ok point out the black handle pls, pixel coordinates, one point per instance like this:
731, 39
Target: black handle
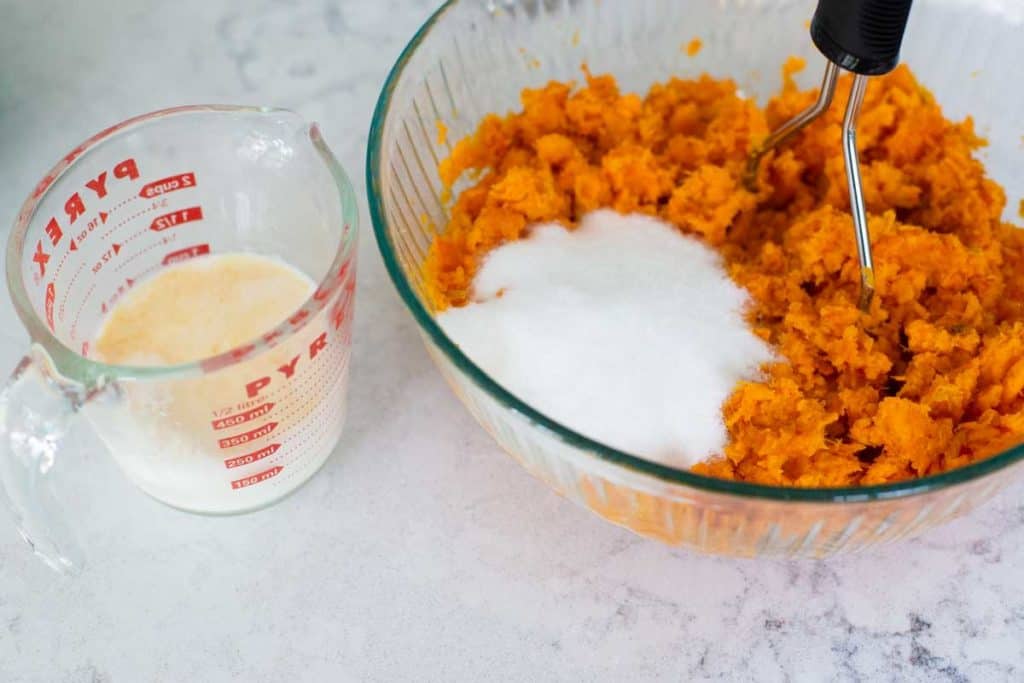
863, 36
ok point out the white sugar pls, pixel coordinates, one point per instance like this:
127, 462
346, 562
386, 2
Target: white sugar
624, 330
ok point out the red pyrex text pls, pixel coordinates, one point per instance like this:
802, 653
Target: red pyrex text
253, 388
75, 207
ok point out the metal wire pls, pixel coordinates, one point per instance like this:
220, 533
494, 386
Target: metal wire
860, 217
853, 179
791, 127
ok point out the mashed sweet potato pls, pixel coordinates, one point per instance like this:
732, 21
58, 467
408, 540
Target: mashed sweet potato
930, 379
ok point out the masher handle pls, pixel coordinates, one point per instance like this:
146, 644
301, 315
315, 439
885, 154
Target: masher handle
862, 36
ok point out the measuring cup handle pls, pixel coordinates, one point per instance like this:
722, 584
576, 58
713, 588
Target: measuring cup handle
36, 410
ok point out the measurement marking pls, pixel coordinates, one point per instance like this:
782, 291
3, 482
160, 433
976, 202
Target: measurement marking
252, 457
81, 307
128, 220
257, 478
60, 265
182, 181
67, 293
50, 295
186, 253
117, 206
243, 417
176, 218
147, 271
134, 235
136, 255
247, 437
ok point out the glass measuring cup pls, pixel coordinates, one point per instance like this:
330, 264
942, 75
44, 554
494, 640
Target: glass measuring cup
230, 433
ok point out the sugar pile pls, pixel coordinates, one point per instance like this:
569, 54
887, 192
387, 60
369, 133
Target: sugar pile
624, 330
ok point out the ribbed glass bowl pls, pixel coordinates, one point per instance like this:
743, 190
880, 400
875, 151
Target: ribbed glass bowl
472, 58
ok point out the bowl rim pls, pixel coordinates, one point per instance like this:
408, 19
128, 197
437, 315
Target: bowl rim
635, 464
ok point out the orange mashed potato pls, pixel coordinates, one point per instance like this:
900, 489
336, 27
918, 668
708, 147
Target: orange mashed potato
930, 379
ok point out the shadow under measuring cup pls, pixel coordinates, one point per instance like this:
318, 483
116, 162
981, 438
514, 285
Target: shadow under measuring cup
227, 434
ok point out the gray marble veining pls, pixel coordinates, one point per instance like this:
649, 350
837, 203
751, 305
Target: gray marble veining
420, 552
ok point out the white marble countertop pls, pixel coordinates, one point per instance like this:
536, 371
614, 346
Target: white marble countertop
421, 552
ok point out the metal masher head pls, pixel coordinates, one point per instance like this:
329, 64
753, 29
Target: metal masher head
864, 37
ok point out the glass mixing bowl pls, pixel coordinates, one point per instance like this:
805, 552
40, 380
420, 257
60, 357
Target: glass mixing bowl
473, 57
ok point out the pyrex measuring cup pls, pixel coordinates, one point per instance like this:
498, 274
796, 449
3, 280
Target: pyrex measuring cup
230, 433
